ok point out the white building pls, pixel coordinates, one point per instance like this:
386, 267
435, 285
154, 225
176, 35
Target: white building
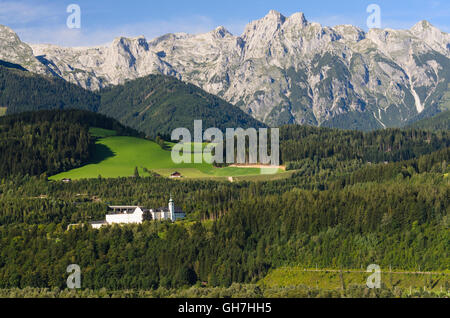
135, 215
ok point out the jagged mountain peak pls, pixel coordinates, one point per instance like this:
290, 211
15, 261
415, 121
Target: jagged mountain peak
275, 21
221, 32
273, 14
135, 43
270, 19
422, 26
283, 69
13, 50
428, 32
7, 31
432, 36
124, 39
350, 32
298, 18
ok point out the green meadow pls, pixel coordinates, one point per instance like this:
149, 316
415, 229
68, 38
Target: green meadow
3, 111
117, 156
332, 279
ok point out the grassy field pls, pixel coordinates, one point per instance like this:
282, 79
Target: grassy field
294, 276
102, 133
3, 111
117, 156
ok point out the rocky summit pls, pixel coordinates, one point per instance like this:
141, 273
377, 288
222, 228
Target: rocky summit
280, 70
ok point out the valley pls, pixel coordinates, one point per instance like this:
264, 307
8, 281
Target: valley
280, 70
118, 156
361, 179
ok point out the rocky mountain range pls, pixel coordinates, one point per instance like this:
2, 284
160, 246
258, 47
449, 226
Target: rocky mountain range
280, 70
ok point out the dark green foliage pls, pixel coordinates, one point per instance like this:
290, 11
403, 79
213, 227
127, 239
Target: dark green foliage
158, 104
388, 214
154, 105
303, 142
363, 121
42, 147
436, 123
49, 142
23, 91
236, 290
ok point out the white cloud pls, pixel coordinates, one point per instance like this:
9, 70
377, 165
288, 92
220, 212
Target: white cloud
46, 23
61, 35
13, 12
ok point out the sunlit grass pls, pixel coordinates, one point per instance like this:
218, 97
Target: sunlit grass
102, 133
117, 156
331, 279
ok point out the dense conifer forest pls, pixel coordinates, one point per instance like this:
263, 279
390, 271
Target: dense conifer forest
302, 142
154, 105
22, 91
392, 214
48, 142
439, 122
354, 199
158, 104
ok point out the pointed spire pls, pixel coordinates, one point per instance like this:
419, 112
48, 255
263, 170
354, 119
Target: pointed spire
221, 32
275, 15
423, 27
299, 18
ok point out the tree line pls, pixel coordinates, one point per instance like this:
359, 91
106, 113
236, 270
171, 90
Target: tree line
49, 142
394, 214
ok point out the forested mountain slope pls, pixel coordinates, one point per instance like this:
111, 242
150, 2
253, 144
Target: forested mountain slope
159, 104
438, 122
154, 104
391, 215
22, 91
49, 142
392, 145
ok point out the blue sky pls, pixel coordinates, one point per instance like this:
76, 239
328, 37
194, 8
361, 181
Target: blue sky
44, 21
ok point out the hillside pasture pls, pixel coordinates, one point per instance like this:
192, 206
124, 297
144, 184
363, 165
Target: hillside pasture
118, 156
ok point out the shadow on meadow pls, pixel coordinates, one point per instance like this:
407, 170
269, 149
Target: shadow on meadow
102, 153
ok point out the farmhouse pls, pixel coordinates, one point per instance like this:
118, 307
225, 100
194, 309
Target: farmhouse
176, 175
137, 215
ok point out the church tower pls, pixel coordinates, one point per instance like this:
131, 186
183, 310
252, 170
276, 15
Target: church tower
171, 209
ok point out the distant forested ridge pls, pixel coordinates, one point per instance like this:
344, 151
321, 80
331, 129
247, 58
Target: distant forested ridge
304, 142
49, 142
436, 123
158, 104
154, 105
22, 91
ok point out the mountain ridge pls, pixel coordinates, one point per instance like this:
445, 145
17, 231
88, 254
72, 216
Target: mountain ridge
283, 70
154, 104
